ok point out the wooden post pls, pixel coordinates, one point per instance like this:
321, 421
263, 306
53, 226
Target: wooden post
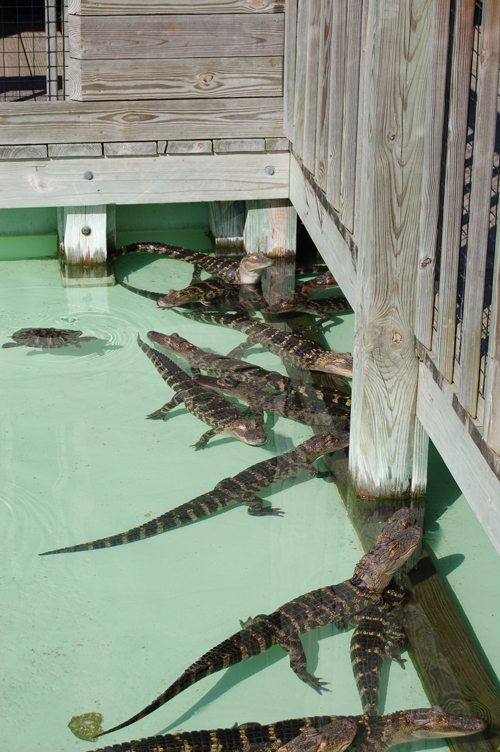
381, 454
227, 222
271, 228
86, 233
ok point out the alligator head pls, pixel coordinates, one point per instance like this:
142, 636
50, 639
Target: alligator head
252, 266
337, 363
172, 342
247, 431
435, 722
177, 297
324, 443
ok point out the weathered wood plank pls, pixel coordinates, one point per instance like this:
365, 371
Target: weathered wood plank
361, 101
132, 37
31, 151
75, 150
454, 180
436, 411
85, 235
325, 229
72, 122
277, 144
480, 202
420, 460
289, 65
299, 101
155, 180
311, 90
189, 147
386, 368
126, 148
239, 145
205, 78
491, 421
336, 111
134, 7
350, 115
435, 106
227, 224
324, 92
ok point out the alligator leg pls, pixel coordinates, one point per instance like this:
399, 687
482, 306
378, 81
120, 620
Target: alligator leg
298, 662
257, 508
396, 639
203, 440
162, 413
240, 350
314, 472
196, 274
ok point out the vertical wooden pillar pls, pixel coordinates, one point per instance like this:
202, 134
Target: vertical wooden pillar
381, 455
86, 233
271, 228
227, 222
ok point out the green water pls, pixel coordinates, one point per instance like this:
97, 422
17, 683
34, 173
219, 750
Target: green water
108, 630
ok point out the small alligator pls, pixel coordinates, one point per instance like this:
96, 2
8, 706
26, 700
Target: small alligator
241, 489
286, 405
215, 293
327, 605
324, 308
313, 734
246, 270
219, 413
302, 292
293, 348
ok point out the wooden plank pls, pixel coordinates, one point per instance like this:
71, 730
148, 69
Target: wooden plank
480, 204
454, 180
299, 100
134, 7
277, 144
75, 150
386, 368
491, 421
327, 233
361, 101
289, 65
84, 235
420, 460
132, 37
32, 151
350, 116
435, 106
140, 180
436, 411
324, 92
161, 146
189, 147
336, 109
227, 145
126, 148
311, 90
72, 122
227, 223
191, 78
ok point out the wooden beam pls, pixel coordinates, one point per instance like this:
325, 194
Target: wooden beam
289, 65
385, 365
84, 235
480, 204
227, 224
75, 122
190, 78
324, 92
132, 37
132, 7
323, 225
491, 421
143, 180
299, 99
311, 84
336, 103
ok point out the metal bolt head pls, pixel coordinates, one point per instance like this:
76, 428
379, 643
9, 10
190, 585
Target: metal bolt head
86, 230
88, 175
270, 170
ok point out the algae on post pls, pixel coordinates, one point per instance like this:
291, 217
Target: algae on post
87, 726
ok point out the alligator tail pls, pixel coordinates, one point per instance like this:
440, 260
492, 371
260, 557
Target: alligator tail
162, 249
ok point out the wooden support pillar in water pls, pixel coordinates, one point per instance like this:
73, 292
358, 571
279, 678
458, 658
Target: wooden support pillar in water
271, 228
227, 223
86, 234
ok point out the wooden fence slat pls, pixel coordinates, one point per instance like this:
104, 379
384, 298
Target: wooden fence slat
350, 119
361, 102
336, 112
133, 37
491, 422
454, 180
190, 78
429, 214
133, 7
480, 201
324, 93
289, 66
72, 122
300, 77
311, 94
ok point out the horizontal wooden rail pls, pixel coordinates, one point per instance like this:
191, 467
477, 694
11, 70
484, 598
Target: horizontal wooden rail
129, 7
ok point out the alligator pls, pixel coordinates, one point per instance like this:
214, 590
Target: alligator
221, 414
198, 359
286, 405
292, 348
302, 292
246, 270
324, 308
318, 608
241, 489
215, 293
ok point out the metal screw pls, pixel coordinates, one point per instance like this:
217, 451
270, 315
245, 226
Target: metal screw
270, 170
88, 175
86, 230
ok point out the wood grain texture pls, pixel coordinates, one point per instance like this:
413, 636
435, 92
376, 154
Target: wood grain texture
191, 78
429, 214
239, 145
385, 365
126, 148
227, 223
491, 420
325, 229
420, 460
453, 192
311, 84
289, 65
31, 151
189, 147
75, 150
84, 249
131, 7
277, 144
150, 180
299, 99
153, 37
361, 101
480, 203
72, 122
325, 91
337, 98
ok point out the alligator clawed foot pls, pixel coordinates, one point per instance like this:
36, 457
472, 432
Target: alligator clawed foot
317, 684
